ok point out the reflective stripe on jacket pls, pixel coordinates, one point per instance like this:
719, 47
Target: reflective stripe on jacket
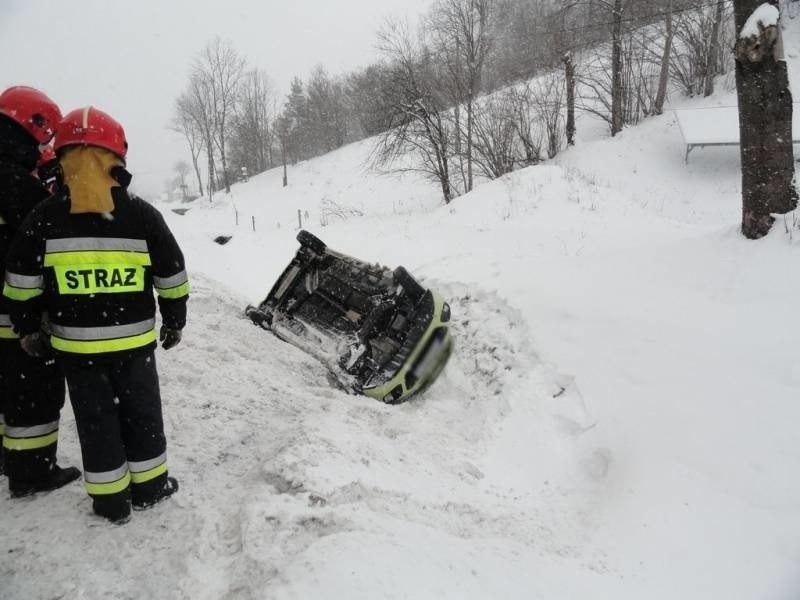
95, 276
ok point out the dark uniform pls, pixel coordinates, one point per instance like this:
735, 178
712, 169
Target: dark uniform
31, 389
95, 274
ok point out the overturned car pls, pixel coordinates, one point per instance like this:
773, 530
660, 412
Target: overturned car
379, 332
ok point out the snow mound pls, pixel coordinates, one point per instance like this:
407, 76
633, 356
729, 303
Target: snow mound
276, 466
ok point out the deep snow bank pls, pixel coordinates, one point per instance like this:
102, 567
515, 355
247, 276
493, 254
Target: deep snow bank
281, 473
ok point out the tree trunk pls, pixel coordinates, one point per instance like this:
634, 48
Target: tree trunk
616, 70
765, 126
444, 179
663, 79
457, 141
469, 145
283, 158
713, 51
225, 169
210, 185
569, 72
197, 173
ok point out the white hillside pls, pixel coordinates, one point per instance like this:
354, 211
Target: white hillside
619, 419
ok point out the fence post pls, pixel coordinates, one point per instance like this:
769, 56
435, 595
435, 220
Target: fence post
299, 219
237, 216
254, 223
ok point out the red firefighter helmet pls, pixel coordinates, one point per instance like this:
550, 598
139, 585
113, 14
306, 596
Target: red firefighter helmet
32, 109
91, 127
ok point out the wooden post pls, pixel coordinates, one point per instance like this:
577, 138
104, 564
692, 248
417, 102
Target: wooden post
254, 223
237, 216
299, 219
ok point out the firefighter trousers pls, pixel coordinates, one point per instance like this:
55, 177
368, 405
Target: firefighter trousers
117, 406
31, 399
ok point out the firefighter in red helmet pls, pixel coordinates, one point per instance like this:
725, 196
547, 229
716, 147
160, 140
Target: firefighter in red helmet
31, 388
96, 253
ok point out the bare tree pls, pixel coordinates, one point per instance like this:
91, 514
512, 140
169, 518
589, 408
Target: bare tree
252, 135
196, 103
618, 81
699, 36
461, 39
527, 126
495, 134
220, 69
547, 94
765, 121
637, 87
418, 123
184, 122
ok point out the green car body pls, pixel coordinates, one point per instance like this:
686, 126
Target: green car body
404, 384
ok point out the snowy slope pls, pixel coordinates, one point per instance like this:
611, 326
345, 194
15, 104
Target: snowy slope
619, 419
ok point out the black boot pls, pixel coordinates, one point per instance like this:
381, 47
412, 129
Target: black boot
55, 479
116, 509
141, 502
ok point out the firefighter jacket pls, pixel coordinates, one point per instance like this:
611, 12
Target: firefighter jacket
94, 274
19, 193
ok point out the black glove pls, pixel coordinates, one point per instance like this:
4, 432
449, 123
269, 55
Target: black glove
36, 344
169, 337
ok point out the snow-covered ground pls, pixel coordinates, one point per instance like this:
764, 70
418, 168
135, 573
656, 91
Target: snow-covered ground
619, 420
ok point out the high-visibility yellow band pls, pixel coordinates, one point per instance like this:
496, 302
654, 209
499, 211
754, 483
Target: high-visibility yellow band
102, 346
177, 292
145, 476
113, 487
21, 294
7, 333
96, 257
31, 443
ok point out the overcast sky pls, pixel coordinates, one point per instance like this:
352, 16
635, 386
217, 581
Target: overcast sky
132, 58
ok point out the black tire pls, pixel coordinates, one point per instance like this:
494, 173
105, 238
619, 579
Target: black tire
310, 241
410, 285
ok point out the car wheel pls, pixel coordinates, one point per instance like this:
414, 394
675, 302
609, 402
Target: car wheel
312, 242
